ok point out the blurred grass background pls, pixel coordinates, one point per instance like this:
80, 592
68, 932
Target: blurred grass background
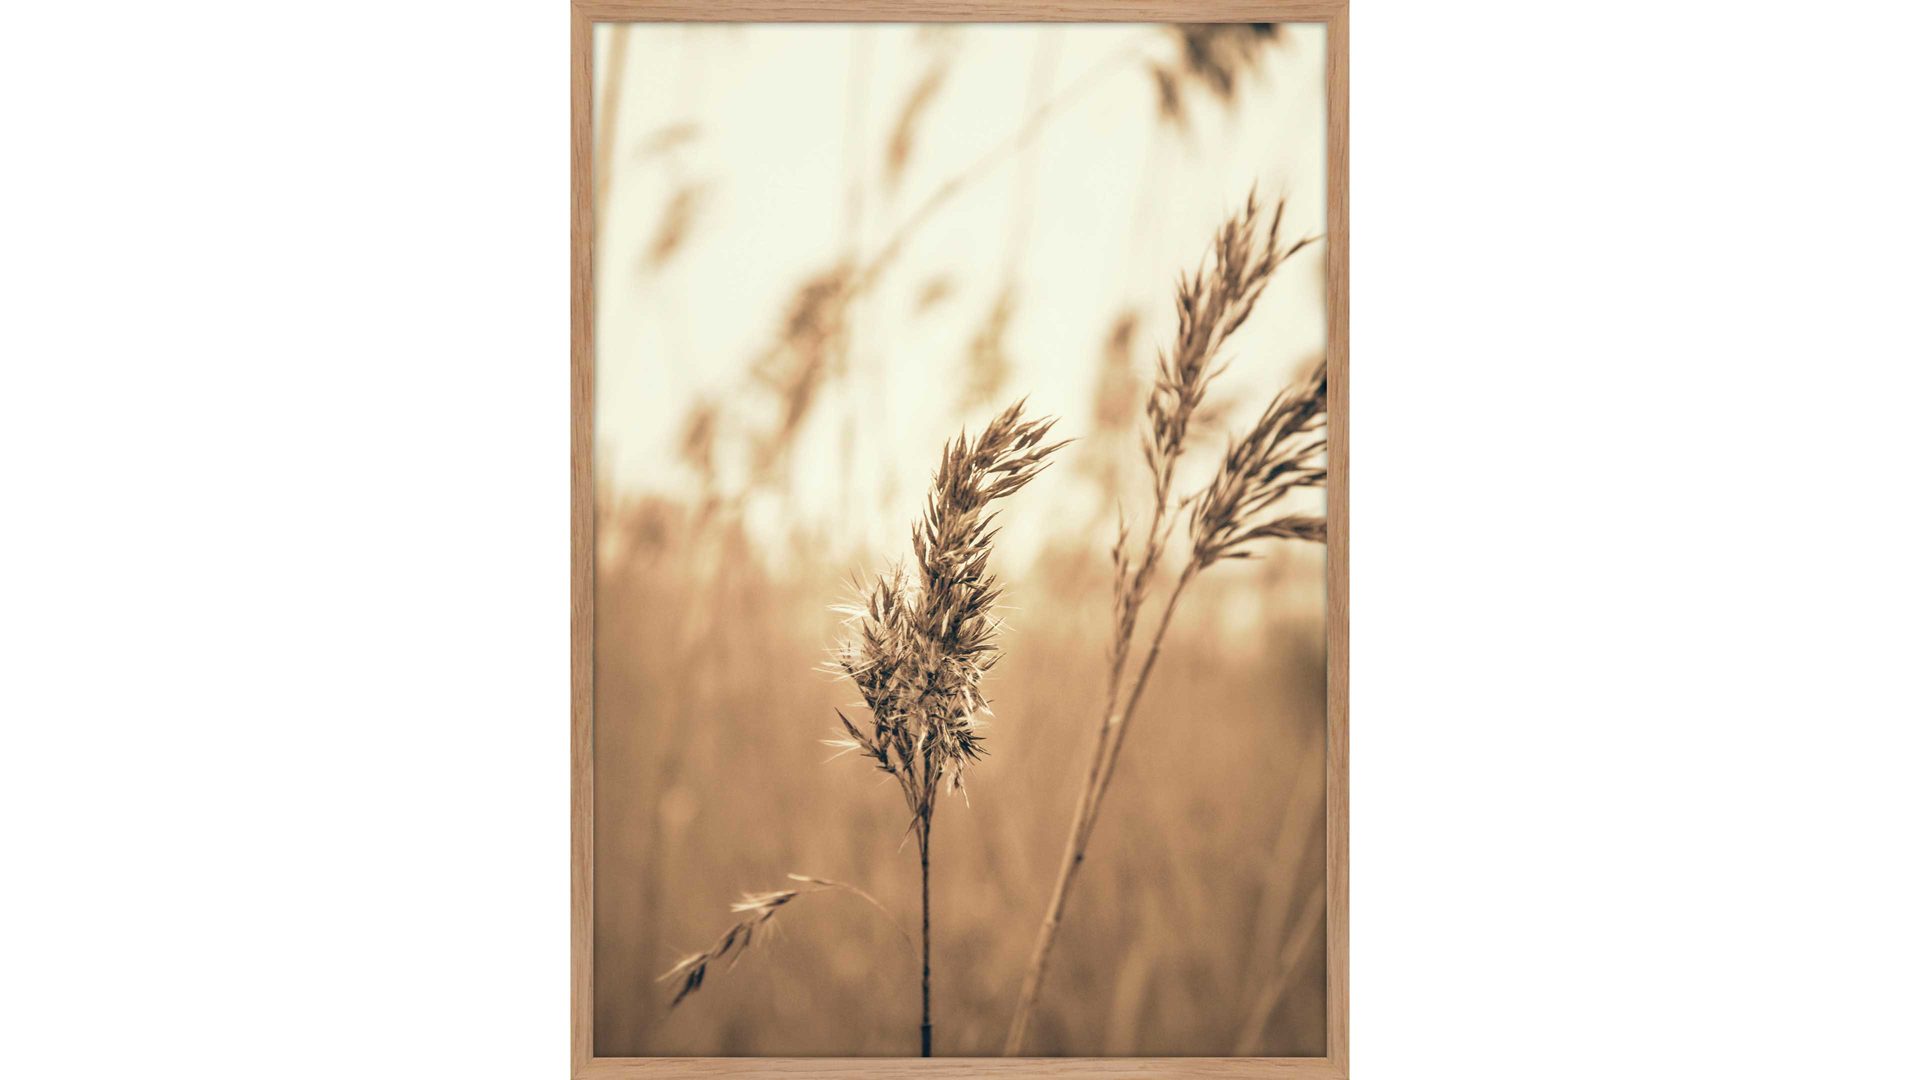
1198, 927
774, 377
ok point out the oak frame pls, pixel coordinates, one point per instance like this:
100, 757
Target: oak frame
585, 13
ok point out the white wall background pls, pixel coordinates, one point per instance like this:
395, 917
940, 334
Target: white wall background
283, 437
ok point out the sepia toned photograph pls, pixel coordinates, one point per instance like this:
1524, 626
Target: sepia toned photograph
959, 626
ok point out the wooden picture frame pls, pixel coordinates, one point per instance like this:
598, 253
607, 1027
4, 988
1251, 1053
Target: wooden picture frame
586, 13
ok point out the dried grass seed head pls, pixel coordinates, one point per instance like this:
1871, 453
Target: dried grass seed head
1211, 302
923, 641
1284, 451
757, 911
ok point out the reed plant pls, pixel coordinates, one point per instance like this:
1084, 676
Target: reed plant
1238, 509
924, 639
921, 640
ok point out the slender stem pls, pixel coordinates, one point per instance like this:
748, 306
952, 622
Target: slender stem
926, 945
606, 119
1106, 756
1139, 686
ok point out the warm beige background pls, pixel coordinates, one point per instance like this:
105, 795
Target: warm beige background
743, 161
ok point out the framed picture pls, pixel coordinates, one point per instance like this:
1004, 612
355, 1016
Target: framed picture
959, 538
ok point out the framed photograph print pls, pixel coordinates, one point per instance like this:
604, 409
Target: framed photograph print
959, 539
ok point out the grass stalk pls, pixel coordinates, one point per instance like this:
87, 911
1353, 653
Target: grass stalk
1283, 452
926, 946
756, 911
921, 642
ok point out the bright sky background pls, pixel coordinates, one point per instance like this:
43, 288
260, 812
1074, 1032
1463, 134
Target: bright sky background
789, 119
